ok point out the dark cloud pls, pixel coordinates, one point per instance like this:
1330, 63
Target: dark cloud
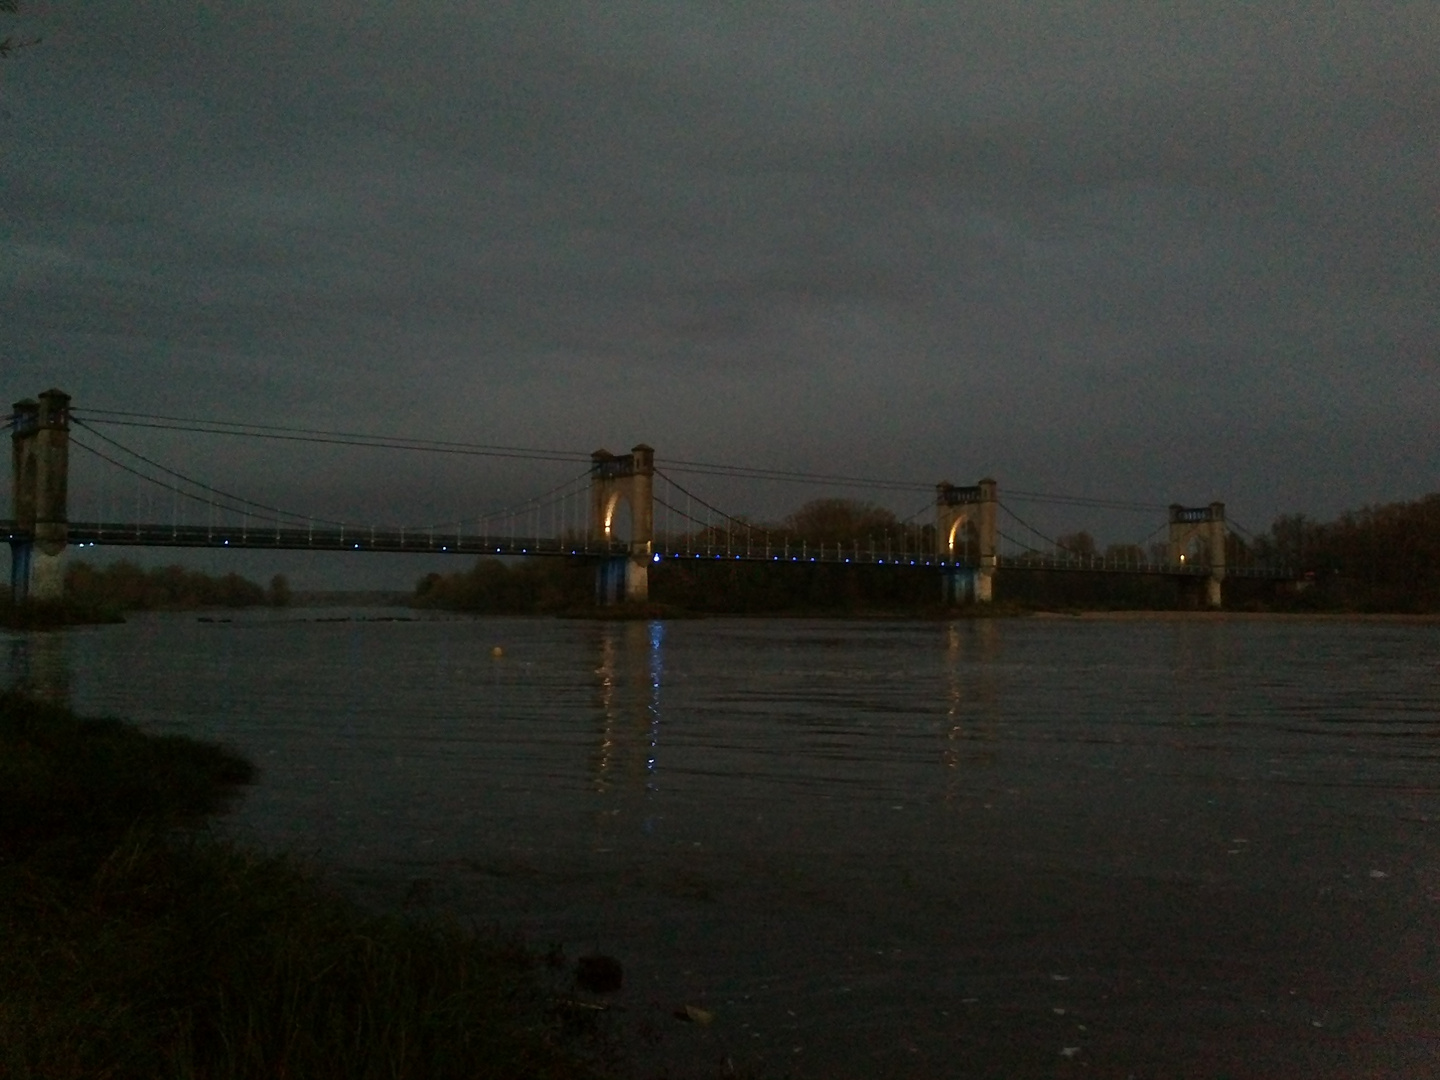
1160, 251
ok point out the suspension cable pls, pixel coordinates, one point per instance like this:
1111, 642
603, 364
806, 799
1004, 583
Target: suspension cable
1021, 543
745, 472
1084, 500
929, 505
537, 502
284, 514
682, 514
241, 503
119, 417
1241, 528
186, 494
1025, 524
338, 438
715, 509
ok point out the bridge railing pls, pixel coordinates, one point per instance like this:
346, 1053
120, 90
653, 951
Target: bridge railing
784, 550
761, 545
1107, 564
358, 538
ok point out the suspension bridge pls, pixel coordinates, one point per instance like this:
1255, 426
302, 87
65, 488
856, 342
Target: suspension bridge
966, 534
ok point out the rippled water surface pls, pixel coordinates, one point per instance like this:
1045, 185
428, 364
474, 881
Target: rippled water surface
994, 847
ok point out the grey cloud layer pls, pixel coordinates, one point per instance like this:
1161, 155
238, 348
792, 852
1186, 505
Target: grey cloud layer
1175, 246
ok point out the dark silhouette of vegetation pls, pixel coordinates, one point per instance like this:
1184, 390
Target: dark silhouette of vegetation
134, 946
1384, 558
1129, 554
1379, 558
710, 584
1049, 590
53, 614
102, 594
721, 586
1080, 543
702, 586
534, 585
840, 527
844, 521
62, 776
279, 595
123, 586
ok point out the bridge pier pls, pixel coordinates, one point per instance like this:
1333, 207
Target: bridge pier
40, 459
962, 514
629, 478
1197, 537
957, 585
610, 580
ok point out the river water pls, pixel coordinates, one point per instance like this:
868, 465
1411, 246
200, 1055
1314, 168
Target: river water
1028, 847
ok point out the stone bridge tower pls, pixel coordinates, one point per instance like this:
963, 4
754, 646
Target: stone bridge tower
1197, 543
40, 455
631, 478
956, 509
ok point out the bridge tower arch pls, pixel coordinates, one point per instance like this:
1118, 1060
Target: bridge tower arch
627, 478
956, 509
1198, 532
40, 480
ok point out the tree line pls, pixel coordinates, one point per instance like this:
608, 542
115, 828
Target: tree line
721, 585
124, 586
1380, 558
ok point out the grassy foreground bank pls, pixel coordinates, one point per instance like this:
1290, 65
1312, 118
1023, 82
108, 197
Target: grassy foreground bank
133, 944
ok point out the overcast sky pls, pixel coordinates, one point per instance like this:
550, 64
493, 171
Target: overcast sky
1156, 251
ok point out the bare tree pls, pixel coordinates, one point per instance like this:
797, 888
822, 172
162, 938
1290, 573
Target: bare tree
841, 519
1080, 543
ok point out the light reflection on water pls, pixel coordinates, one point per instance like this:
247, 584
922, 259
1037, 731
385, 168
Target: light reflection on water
897, 832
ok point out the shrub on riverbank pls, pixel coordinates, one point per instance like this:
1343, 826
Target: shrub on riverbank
681, 587
495, 587
124, 586
1378, 558
53, 614
132, 947
100, 595
67, 781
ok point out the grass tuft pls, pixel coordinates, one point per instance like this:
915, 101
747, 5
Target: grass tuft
67, 781
130, 948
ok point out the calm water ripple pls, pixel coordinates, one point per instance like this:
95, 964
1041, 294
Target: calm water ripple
906, 849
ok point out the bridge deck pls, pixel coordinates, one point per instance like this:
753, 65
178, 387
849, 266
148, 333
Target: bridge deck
124, 534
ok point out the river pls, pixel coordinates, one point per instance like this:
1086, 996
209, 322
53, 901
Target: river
1013, 847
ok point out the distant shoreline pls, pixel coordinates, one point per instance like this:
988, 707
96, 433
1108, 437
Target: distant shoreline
58, 618
1241, 616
